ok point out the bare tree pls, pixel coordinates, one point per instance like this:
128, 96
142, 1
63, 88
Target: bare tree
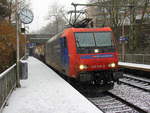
138, 10
4, 10
12, 8
117, 13
57, 19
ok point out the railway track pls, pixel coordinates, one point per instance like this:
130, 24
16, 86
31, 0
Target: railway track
110, 103
136, 82
137, 97
123, 98
133, 97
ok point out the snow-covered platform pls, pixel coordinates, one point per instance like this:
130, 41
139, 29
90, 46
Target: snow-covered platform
46, 92
135, 66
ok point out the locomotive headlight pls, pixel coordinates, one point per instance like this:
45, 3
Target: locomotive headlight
83, 67
96, 50
112, 65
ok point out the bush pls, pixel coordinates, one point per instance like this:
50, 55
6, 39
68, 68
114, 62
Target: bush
8, 45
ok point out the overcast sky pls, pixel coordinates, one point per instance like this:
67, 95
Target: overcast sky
40, 10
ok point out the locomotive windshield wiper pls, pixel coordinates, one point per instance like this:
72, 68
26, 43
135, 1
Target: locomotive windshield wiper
78, 43
94, 39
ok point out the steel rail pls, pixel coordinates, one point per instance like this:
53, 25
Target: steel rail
137, 78
127, 103
122, 104
133, 85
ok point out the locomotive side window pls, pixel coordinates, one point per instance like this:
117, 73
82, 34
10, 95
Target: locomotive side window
64, 52
65, 42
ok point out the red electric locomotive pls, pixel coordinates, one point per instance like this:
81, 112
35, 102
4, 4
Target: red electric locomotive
85, 54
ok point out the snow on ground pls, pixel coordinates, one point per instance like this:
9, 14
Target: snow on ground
135, 65
46, 92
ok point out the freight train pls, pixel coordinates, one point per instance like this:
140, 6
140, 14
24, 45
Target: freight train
85, 55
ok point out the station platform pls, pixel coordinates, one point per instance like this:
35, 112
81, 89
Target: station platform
135, 66
45, 92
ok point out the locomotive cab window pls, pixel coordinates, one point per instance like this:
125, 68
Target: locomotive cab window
103, 39
86, 42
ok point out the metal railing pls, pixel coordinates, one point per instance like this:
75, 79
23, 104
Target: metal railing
7, 84
136, 58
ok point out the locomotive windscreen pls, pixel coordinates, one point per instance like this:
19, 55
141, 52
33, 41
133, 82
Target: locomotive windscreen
94, 40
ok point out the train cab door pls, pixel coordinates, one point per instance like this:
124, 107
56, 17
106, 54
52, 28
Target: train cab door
64, 53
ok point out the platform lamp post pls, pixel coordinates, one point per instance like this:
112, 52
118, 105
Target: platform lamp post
17, 42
